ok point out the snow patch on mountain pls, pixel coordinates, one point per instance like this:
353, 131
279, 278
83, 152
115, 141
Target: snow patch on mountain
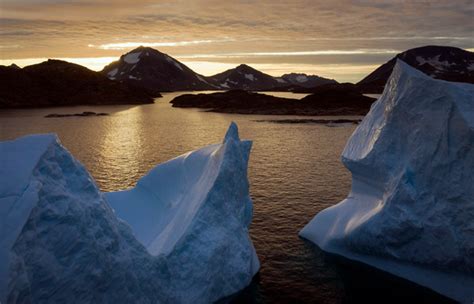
178, 66
301, 78
202, 79
250, 77
171, 60
132, 58
434, 62
231, 81
112, 73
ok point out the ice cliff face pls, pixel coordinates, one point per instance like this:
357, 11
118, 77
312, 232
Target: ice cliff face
62, 242
194, 211
411, 206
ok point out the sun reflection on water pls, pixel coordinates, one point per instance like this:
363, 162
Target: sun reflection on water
121, 147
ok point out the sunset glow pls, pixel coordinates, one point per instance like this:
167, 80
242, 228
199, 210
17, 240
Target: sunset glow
211, 36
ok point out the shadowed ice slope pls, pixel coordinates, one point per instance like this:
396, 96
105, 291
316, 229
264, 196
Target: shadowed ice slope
62, 242
411, 209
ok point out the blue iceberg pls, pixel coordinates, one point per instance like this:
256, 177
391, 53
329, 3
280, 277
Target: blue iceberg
179, 236
410, 211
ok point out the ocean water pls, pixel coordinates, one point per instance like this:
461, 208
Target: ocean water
294, 171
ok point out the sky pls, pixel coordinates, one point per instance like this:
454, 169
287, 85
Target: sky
339, 39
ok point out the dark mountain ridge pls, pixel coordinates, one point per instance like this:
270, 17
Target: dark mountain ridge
306, 81
440, 62
60, 83
244, 77
155, 71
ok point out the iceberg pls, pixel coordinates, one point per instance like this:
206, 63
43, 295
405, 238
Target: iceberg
410, 211
179, 236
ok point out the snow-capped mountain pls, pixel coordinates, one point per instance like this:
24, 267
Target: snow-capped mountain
440, 62
245, 77
307, 81
158, 72
155, 71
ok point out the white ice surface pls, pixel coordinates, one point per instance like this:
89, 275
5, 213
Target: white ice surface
18, 194
161, 206
410, 211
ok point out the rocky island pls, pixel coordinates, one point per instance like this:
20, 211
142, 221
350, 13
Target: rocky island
322, 102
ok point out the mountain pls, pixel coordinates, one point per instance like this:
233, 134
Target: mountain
60, 83
245, 77
155, 71
307, 81
158, 72
440, 62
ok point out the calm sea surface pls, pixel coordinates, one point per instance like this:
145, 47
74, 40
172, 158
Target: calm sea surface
294, 171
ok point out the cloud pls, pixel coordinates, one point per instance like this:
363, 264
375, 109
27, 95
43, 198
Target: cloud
131, 45
326, 32
294, 53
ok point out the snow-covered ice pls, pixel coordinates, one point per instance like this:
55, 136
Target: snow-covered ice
182, 236
410, 211
168, 198
132, 58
